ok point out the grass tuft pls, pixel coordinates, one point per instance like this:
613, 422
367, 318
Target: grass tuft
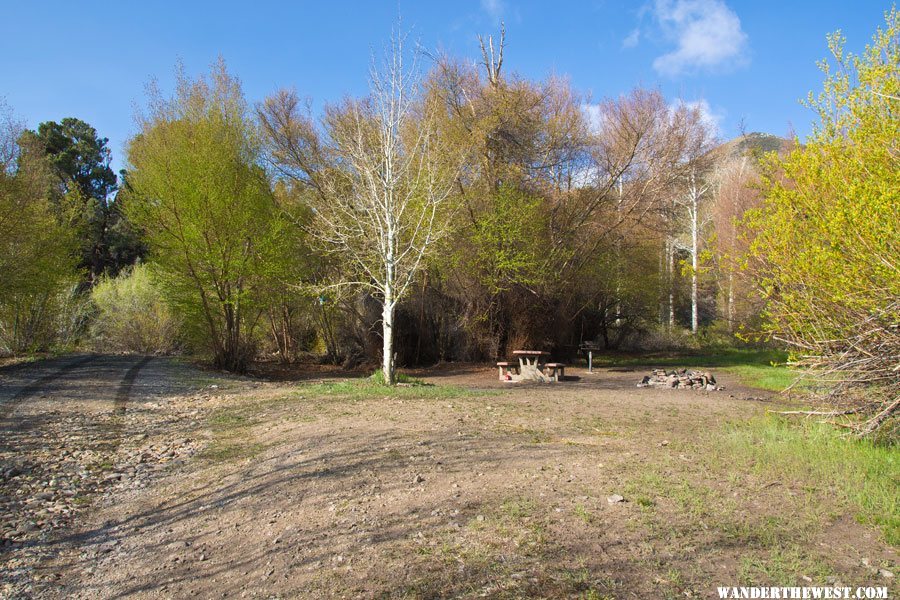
783, 567
378, 379
231, 436
372, 387
858, 471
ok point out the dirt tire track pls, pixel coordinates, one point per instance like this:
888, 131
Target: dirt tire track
124, 391
35, 386
73, 432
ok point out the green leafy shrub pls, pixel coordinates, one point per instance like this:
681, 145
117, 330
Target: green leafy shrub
205, 203
825, 250
37, 247
132, 316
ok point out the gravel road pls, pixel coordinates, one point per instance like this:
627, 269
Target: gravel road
74, 428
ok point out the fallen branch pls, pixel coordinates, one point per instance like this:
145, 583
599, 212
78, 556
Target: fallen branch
818, 413
876, 421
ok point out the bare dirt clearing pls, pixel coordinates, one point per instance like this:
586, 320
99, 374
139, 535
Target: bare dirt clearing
228, 487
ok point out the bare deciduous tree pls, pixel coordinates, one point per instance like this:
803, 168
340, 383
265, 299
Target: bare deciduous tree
693, 142
692, 202
735, 195
493, 64
380, 181
10, 129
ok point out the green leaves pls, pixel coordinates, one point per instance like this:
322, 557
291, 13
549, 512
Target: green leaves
827, 239
208, 210
509, 241
37, 254
132, 315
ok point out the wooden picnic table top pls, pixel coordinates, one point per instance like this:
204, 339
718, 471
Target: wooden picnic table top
531, 352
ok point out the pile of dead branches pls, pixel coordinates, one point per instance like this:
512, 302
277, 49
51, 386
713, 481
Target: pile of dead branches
859, 375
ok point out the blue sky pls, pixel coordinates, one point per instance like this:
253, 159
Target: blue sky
743, 59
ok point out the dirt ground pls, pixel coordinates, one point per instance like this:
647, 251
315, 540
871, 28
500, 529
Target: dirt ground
150, 478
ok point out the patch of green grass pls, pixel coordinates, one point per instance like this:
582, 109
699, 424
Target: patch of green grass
365, 389
518, 508
677, 508
515, 521
674, 577
783, 567
582, 582
774, 378
858, 471
584, 514
400, 378
231, 441
225, 450
767, 531
645, 502
691, 499
228, 419
595, 595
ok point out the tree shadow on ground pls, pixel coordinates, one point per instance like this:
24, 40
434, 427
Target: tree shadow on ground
241, 528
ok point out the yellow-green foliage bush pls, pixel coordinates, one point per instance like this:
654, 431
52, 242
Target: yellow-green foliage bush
132, 316
827, 239
37, 248
205, 206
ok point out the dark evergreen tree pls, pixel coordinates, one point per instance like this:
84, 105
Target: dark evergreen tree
81, 161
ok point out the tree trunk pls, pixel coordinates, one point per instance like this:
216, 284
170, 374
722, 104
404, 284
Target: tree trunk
618, 248
662, 283
387, 310
694, 243
730, 302
387, 329
670, 281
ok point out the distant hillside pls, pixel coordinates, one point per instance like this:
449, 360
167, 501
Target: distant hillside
752, 144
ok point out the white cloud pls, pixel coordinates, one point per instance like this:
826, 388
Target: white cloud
494, 8
595, 117
707, 34
633, 38
710, 117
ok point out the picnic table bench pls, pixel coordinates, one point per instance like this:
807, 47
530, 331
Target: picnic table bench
505, 370
556, 370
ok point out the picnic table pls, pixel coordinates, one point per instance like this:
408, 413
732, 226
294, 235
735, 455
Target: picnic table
530, 358
533, 366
